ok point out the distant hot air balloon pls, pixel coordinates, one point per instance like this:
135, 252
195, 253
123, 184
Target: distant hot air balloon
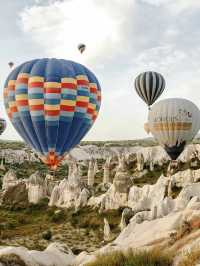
174, 122
11, 64
52, 103
81, 47
149, 86
2, 125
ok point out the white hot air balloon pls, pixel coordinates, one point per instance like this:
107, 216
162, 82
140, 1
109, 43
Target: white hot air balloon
174, 122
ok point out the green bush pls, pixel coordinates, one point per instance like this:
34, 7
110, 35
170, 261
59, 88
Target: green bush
47, 235
57, 216
132, 258
42, 205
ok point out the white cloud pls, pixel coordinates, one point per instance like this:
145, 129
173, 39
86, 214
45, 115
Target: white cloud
123, 38
60, 26
177, 4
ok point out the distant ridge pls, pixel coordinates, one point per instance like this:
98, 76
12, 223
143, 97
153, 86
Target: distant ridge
145, 142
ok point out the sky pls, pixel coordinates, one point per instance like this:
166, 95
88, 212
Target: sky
123, 38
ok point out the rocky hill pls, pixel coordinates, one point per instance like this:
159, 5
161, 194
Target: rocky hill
104, 198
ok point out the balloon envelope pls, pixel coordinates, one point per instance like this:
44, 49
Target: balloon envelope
81, 47
149, 86
52, 103
174, 122
11, 64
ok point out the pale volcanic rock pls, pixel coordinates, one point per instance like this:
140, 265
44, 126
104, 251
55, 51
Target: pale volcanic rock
67, 194
141, 199
108, 236
106, 171
9, 179
140, 162
54, 255
82, 199
117, 194
15, 195
18, 156
36, 188
183, 178
49, 184
91, 173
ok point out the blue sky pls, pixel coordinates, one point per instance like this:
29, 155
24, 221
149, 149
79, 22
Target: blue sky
123, 38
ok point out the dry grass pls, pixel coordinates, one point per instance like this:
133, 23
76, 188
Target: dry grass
190, 258
181, 242
133, 258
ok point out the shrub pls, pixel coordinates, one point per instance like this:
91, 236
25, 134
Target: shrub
42, 205
133, 258
57, 216
47, 235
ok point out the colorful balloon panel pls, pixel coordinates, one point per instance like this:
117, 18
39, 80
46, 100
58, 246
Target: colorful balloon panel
174, 122
149, 86
52, 103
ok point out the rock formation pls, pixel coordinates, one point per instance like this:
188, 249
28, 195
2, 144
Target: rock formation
67, 192
140, 162
126, 216
106, 172
82, 199
91, 173
9, 179
55, 254
107, 236
2, 167
117, 195
36, 188
15, 195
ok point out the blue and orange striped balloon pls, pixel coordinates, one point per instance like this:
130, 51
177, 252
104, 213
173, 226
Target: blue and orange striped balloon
52, 103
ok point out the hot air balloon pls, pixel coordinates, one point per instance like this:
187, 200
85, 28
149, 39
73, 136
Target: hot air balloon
52, 103
174, 122
81, 47
2, 125
11, 64
149, 86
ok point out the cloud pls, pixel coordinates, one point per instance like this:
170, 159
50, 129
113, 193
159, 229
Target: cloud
60, 26
123, 38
